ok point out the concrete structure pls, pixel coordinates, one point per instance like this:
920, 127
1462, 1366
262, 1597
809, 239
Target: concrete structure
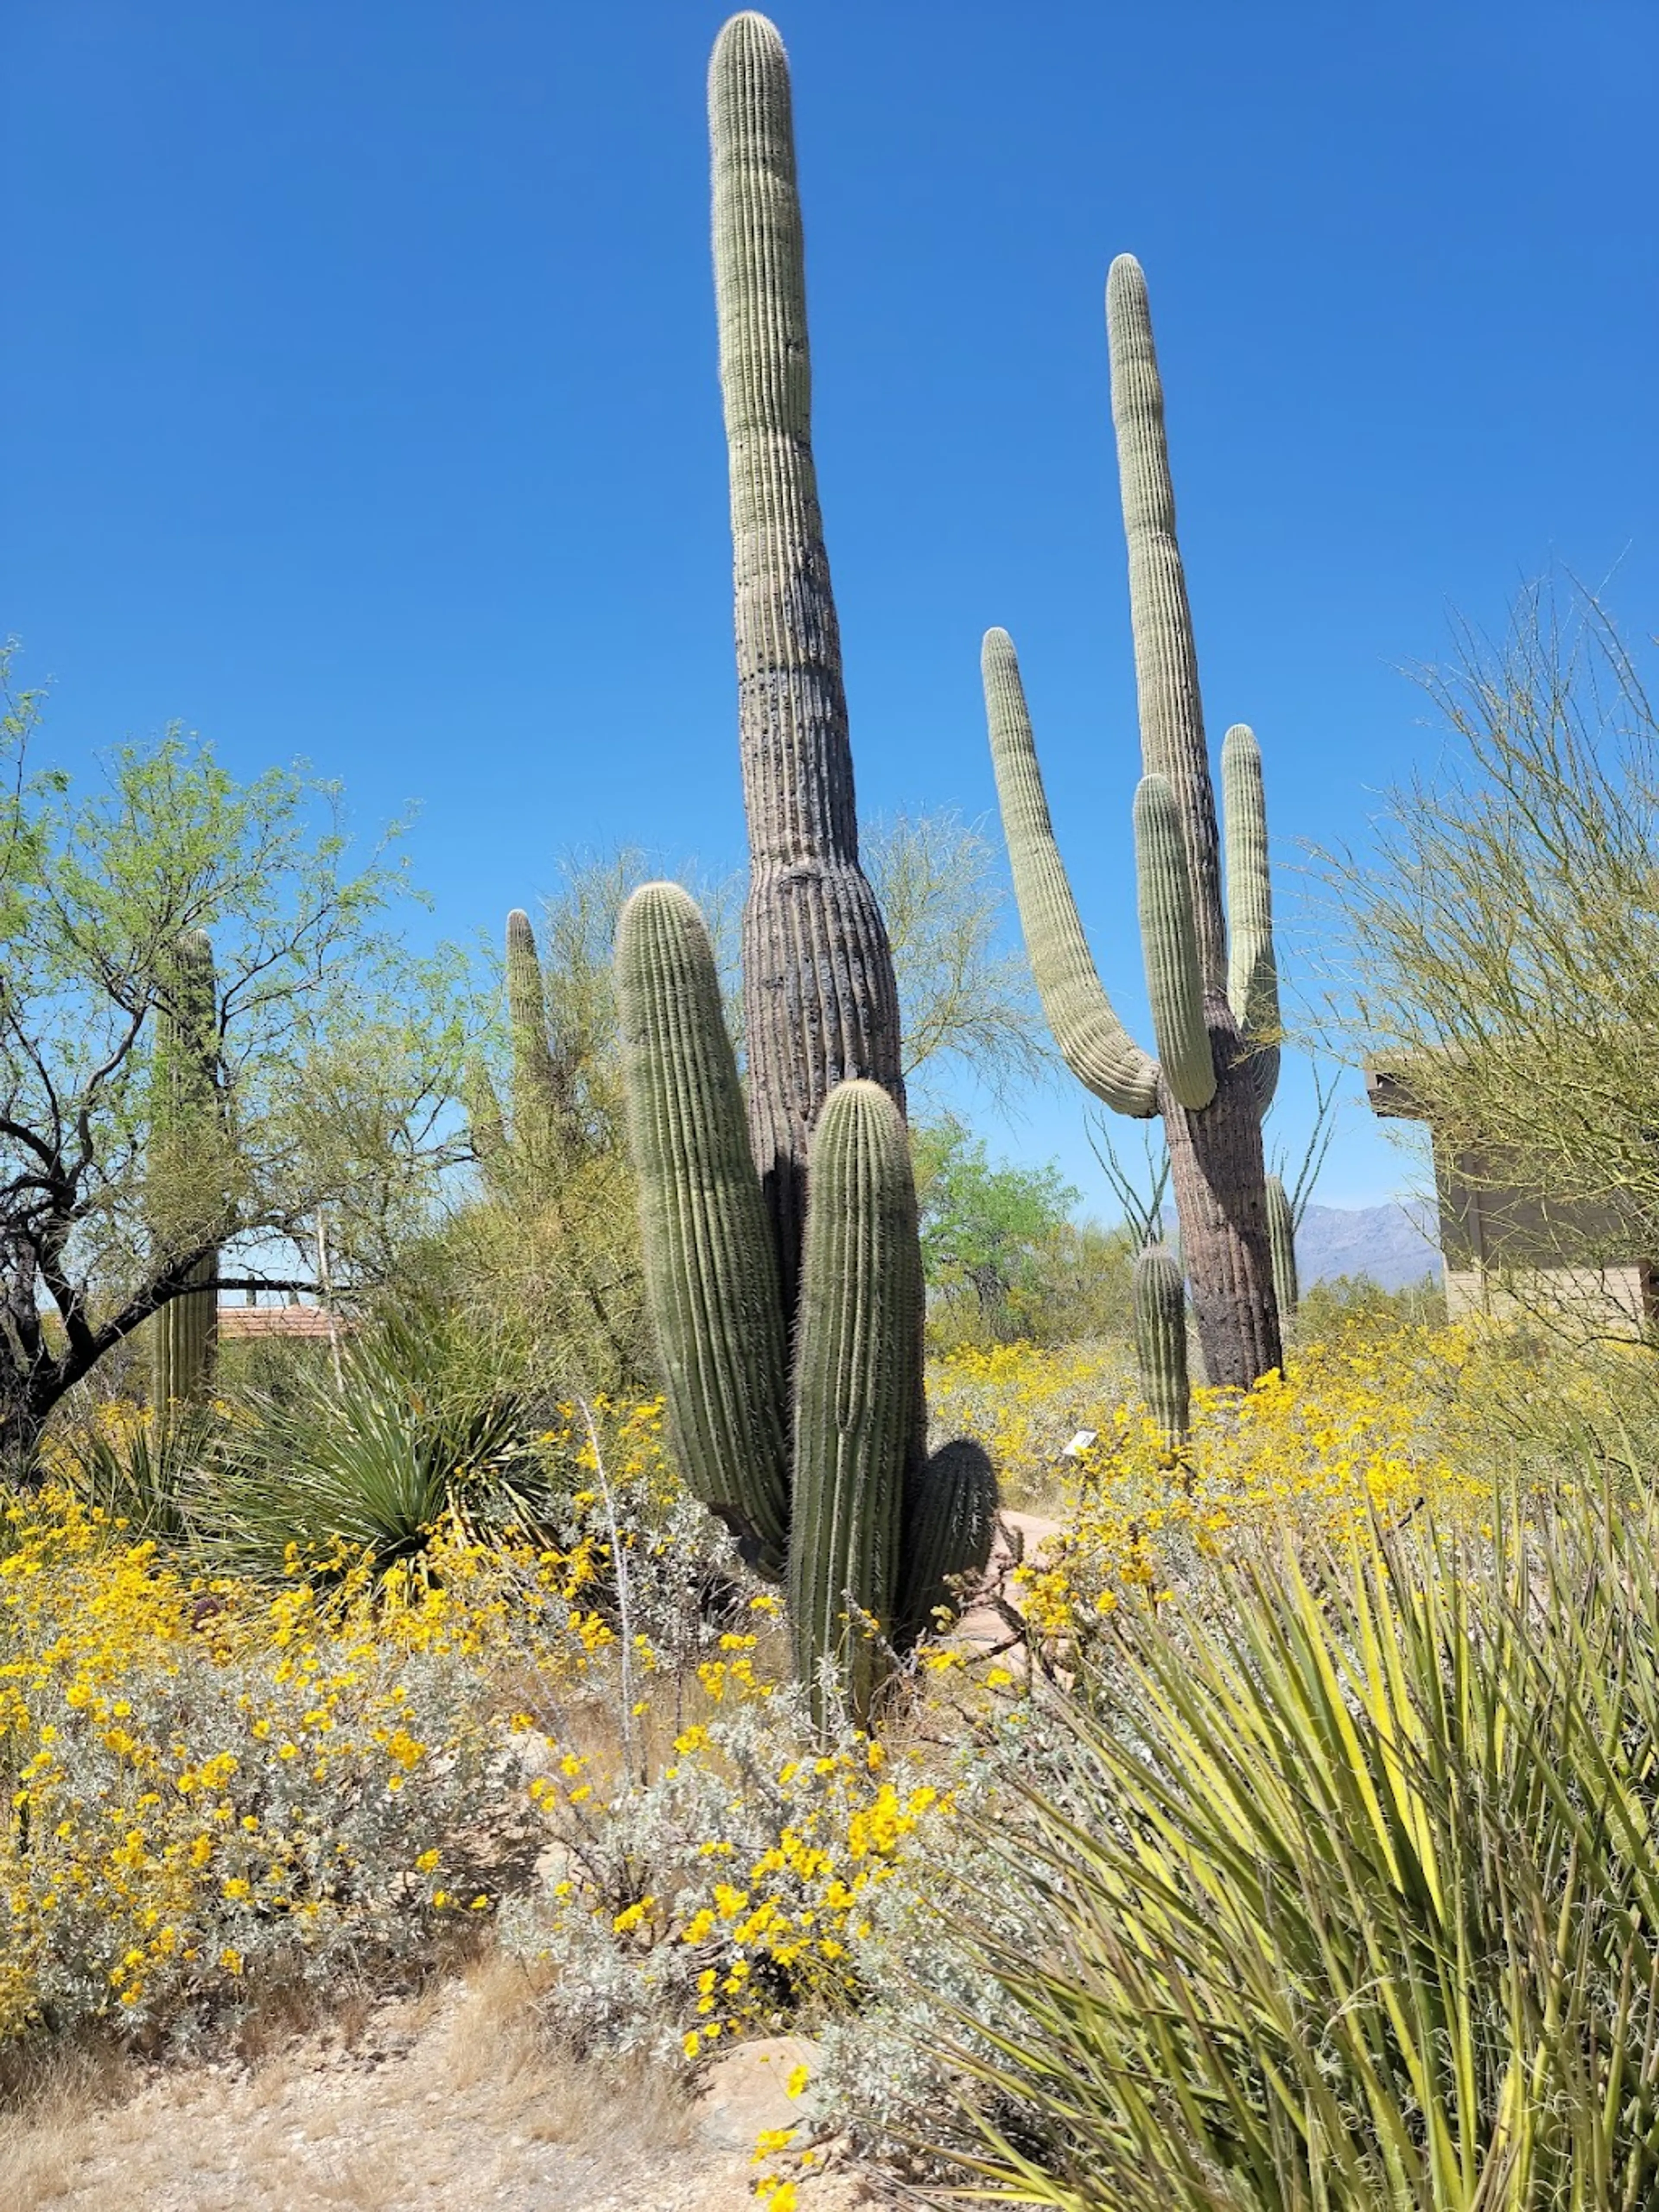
1505, 1250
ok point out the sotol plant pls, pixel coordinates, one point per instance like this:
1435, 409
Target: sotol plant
782, 1261
1210, 972
185, 1332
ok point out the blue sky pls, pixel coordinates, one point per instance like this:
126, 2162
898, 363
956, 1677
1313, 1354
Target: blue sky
361, 399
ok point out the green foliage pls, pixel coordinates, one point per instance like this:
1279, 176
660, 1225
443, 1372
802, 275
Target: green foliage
336, 1051
963, 1004
982, 1227
1353, 1305
1501, 934
1350, 1897
150, 1473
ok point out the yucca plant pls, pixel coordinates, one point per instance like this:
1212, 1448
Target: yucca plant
148, 1468
1352, 1901
412, 1434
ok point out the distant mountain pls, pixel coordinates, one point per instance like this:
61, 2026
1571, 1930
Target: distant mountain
1387, 1243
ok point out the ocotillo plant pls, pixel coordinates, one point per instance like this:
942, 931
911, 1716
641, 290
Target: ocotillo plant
783, 1266
185, 1332
809, 1462
1215, 1009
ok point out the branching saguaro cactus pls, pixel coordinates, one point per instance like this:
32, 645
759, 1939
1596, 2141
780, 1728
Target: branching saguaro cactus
810, 1462
783, 1264
185, 1332
1210, 973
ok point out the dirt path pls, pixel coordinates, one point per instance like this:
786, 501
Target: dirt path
445, 2101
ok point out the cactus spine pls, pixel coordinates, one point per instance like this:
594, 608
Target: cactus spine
1160, 1305
185, 1332
788, 1306
1281, 1237
1215, 1017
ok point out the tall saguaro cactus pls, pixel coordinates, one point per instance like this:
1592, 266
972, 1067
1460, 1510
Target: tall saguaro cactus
185, 1332
1210, 973
820, 1002
783, 1264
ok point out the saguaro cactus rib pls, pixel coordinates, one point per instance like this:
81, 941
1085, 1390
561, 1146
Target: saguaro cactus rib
1160, 1305
709, 1270
857, 1371
820, 1002
1093, 1041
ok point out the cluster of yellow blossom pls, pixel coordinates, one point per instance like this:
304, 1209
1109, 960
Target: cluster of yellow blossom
198, 1773
754, 1913
1352, 1428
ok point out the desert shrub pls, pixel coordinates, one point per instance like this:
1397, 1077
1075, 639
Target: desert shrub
727, 1891
205, 1785
144, 1466
1353, 1305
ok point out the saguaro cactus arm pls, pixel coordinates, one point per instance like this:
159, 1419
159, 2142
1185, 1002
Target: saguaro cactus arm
1096, 1046
1166, 659
820, 1002
710, 1274
857, 1371
1168, 945
1252, 969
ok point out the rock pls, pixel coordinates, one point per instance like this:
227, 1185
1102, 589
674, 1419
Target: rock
744, 2094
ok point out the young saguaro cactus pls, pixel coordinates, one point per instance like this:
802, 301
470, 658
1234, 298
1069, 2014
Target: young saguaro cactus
1214, 1004
185, 1332
1160, 1303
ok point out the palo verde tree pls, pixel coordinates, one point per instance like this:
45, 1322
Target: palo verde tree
1497, 949
321, 1055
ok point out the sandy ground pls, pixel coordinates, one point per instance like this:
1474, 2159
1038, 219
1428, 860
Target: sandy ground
438, 2102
